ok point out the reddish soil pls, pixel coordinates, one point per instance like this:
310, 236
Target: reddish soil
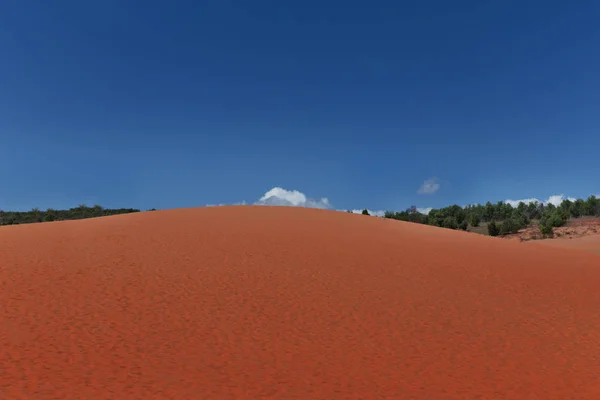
286, 303
575, 228
587, 243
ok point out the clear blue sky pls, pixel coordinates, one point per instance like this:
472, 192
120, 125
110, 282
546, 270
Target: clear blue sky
177, 104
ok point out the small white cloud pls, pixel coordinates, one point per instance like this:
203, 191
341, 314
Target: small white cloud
282, 197
558, 198
376, 213
241, 203
555, 199
425, 210
430, 186
515, 203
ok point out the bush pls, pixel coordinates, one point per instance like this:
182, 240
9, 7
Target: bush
450, 223
463, 225
474, 220
506, 227
554, 218
493, 229
546, 230
511, 225
365, 212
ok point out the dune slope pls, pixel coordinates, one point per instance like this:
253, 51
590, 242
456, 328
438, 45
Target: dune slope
589, 243
288, 303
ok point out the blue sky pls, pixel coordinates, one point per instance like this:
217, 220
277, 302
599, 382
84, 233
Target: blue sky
179, 104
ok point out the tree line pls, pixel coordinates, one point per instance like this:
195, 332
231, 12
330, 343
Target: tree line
80, 212
502, 218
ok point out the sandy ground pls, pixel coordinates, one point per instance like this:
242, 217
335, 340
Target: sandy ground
587, 243
287, 303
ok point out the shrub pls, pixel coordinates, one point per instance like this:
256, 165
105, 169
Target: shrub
450, 223
506, 227
493, 229
554, 218
463, 225
511, 225
546, 230
474, 220
365, 212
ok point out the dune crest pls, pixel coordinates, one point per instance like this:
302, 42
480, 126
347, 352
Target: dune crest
254, 302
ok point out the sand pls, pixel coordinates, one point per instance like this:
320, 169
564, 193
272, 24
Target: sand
288, 303
587, 243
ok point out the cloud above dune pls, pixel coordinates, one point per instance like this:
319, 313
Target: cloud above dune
278, 196
282, 197
429, 186
555, 199
376, 213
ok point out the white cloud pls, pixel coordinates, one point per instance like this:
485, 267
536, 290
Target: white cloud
282, 197
278, 196
430, 186
377, 213
515, 203
555, 199
381, 213
241, 203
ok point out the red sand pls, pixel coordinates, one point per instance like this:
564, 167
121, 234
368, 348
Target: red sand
588, 243
286, 303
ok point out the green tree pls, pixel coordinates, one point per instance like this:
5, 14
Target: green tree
489, 212
554, 217
592, 206
493, 229
450, 222
474, 220
577, 208
509, 225
546, 230
365, 212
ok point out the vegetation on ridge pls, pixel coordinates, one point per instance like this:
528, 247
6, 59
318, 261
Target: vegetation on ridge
81, 212
502, 218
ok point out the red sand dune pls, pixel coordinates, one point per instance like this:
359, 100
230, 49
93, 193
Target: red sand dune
587, 243
287, 303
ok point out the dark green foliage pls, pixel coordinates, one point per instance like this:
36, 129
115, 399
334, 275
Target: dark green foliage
493, 229
81, 212
463, 225
592, 206
450, 222
546, 230
506, 227
489, 212
474, 220
510, 225
519, 220
365, 212
410, 215
517, 217
554, 218
533, 210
